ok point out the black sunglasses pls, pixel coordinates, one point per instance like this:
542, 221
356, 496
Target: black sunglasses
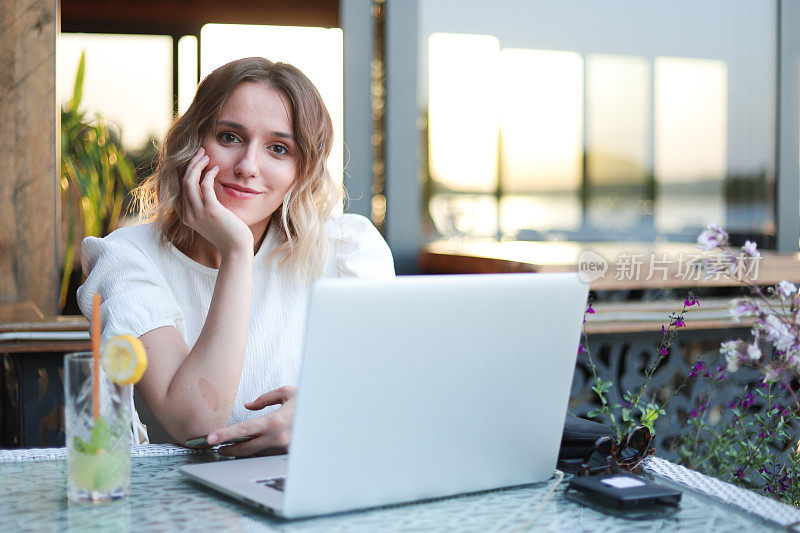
607, 455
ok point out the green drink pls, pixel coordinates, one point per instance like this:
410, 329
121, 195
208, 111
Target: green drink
98, 451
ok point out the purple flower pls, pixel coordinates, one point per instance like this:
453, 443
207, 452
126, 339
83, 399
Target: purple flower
581, 349
662, 330
731, 404
696, 368
733, 352
694, 413
764, 433
780, 410
720, 373
785, 289
731, 347
748, 400
713, 237
663, 350
679, 323
691, 300
626, 404
743, 307
772, 372
753, 352
589, 311
750, 250
777, 332
740, 473
792, 357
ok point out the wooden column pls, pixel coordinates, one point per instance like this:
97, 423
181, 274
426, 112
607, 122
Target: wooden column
29, 265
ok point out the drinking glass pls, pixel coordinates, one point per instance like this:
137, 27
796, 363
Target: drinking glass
98, 447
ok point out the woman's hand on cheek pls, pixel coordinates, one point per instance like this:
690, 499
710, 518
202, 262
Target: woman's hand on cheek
270, 433
205, 214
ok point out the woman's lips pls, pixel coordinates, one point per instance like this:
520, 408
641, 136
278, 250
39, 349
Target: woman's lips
237, 191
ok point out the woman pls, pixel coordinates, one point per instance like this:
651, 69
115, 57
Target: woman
216, 285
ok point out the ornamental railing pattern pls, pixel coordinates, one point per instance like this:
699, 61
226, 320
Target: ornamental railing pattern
622, 358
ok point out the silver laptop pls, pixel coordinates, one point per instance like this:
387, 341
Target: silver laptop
417, 388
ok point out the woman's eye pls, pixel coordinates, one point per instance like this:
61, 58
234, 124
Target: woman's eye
279, 149
227, 137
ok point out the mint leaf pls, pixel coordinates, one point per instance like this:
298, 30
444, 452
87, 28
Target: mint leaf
101, 435
80, 445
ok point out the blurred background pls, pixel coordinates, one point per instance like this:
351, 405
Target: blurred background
478, 137
534, 120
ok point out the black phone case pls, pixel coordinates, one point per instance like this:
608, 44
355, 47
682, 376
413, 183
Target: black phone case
650, 493
200, 443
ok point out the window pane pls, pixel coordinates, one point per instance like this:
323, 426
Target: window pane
128, 80
187, 71
542, 99
619, 120
690, 142
464, 111
618, 140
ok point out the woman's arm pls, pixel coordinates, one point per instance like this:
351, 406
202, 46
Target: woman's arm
192, 392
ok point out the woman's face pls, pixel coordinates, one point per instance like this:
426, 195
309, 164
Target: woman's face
253, 145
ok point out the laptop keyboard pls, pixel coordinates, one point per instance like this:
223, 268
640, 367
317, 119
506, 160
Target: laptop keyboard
276, 483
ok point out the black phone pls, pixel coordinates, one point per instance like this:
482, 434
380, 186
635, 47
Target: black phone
620, 492
201, 443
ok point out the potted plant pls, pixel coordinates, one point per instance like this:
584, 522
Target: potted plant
95, 177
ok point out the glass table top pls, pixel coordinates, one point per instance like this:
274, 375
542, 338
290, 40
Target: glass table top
33, 497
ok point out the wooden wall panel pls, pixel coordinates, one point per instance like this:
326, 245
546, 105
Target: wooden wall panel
28, 160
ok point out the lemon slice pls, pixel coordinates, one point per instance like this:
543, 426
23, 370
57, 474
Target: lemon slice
124, 359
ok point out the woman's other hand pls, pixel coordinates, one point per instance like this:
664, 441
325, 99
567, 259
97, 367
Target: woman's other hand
205, 214
270, 433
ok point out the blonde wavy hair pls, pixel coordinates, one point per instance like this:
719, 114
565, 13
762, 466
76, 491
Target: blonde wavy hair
311, 199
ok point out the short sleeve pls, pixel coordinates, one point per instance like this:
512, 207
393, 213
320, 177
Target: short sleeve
136, 298
361, 251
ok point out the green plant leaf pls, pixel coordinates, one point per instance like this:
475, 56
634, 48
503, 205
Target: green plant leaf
80, 445
96, 172
77, 90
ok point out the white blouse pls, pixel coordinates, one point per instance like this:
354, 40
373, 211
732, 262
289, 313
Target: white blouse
146, 285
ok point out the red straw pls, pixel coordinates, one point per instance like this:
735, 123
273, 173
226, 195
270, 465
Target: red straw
96, 356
